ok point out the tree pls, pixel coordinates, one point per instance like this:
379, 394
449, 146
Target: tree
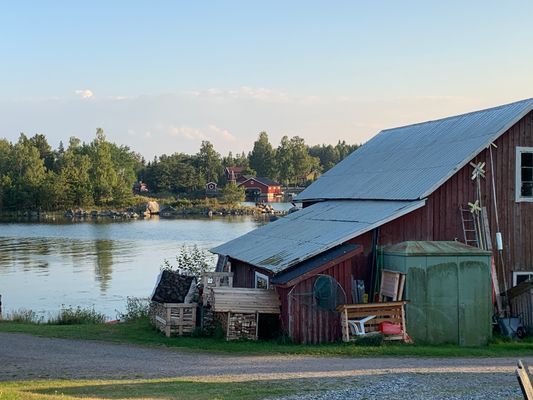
232, 194
262, 157
209, 163
284, 161
28, 175
103, 175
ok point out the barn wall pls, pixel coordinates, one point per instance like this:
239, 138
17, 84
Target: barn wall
304, 322
440, 219
244, 274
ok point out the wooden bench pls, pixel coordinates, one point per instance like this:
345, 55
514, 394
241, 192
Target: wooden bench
393, 312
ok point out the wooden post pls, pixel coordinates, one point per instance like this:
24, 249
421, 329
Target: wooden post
404, 330
167, 322
256, 325
227, 327
522, 374
346, 331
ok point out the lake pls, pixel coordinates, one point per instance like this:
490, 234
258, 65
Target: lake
98, 264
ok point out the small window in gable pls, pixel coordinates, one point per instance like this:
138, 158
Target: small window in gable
519, 277
261, 281
524, 174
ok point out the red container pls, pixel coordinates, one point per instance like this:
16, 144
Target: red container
389, 328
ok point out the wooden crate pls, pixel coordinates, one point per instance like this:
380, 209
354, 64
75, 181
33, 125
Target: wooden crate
174, 319
384, 312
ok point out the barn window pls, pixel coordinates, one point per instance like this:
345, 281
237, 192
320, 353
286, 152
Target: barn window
261, 281
524, 174
519, 277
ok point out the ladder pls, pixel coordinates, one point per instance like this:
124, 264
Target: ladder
469, 227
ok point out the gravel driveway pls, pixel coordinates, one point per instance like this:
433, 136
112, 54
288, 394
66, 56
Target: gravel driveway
30, 357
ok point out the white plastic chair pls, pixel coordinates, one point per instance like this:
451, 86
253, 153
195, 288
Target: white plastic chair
357, 326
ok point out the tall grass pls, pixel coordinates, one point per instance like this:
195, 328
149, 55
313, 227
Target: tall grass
76, 316
24, 315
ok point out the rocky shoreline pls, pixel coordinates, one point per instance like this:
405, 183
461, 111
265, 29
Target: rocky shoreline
149, 209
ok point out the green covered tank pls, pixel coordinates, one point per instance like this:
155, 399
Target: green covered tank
449, 288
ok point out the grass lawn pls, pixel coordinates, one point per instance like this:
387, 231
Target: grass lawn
176, 388
142, 333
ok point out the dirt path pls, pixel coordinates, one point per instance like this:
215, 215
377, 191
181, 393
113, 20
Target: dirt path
29, 357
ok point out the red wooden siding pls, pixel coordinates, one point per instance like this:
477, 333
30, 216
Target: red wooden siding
440, 219
303, 321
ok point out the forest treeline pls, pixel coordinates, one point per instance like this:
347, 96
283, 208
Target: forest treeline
34, 176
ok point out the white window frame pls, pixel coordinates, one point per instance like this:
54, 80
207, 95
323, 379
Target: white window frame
261, 276
516, 274
518, 174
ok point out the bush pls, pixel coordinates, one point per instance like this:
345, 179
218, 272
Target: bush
25, 316
77, 316
136, 308
191, 261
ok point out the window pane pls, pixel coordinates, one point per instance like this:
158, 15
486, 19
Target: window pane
527, 190
261, 283
527, 160
522, 278
527, 174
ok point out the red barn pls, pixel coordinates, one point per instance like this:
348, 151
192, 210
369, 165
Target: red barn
407, 183
255, 186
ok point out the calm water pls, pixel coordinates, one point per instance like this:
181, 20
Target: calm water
44, 266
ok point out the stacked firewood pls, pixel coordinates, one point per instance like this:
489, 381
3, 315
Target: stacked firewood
173, 287
241, 326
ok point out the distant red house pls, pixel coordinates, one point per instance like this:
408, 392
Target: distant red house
233, 173
255, 186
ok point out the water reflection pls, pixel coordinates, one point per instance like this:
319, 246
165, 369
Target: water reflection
104, 262
43, 266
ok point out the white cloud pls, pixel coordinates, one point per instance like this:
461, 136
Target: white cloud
186, 132
84, 93
223, 133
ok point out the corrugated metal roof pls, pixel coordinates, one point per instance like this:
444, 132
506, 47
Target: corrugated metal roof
311, 231
434, 248
313, 263
410, 162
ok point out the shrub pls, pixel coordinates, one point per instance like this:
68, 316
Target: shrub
77, 316
25, 316
136, 308
192, 261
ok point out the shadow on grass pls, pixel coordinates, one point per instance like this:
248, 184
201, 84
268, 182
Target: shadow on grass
182, 389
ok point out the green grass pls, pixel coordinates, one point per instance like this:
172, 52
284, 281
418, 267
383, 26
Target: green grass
170, 388
141, 333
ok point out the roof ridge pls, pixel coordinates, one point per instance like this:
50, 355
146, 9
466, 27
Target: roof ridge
530, 99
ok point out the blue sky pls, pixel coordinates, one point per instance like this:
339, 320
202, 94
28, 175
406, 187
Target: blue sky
161, 76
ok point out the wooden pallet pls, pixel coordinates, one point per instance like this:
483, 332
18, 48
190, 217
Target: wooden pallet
243, 300
174, 319
393, 312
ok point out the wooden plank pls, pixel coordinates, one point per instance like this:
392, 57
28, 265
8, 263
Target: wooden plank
390, 281
522, 375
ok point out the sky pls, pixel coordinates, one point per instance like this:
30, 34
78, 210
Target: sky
161, 76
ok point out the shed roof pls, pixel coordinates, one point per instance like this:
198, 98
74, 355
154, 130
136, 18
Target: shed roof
434, 248
264, 181
410, 162
314, 262
311, 231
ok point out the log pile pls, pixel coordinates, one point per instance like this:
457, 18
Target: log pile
173, 287
239, 325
